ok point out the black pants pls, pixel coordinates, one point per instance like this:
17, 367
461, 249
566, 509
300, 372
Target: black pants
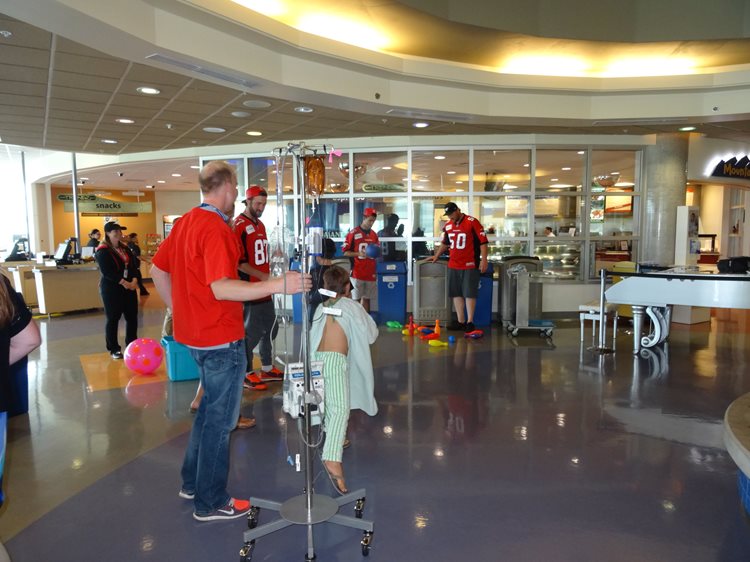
119, 301
141, 286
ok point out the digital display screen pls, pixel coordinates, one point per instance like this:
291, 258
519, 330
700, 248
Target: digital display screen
62, 251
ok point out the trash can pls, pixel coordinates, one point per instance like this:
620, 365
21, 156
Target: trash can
507, 304
431, 291
483, 312
391, 291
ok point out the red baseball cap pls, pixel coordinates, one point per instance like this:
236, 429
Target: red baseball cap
370, 212
255, 191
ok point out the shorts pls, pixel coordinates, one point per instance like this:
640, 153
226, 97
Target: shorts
463, 283
363, 289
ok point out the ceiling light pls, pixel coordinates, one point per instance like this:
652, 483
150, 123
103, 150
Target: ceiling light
459, 182
83, 179
450, 172
109, 141
420, 125
303, 109
5, 34
195, 167
148, 90
439, 157
687, 129
525, 165
254, 133
387, 168
566, 169
176, 175
124, 121
214, 130
160, 181
554, 179
581, 152
240, 114
150, 186
256, 104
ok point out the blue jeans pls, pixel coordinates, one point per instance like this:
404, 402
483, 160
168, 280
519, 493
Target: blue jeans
205, 468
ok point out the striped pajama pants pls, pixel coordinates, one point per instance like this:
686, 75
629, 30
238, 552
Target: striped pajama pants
336, 402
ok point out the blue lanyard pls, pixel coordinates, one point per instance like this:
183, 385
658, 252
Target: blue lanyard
209, 207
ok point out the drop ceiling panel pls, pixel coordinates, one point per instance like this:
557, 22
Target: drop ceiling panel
23, 73
140, 75
35, 58
80, 94
78, 80
24, 35
125, 99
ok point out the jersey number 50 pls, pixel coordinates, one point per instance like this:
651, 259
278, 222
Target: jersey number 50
458, 241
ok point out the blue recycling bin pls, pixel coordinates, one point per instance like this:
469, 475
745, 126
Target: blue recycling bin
391, 291
296, 298
483, 312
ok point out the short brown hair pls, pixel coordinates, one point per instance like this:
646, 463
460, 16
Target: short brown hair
215, 174
336, 279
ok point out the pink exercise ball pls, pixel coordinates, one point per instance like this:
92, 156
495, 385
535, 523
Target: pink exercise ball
143, 356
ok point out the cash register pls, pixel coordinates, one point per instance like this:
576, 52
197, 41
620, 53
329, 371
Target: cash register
65, 253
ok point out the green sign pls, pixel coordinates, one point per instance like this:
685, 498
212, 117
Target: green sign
95, 204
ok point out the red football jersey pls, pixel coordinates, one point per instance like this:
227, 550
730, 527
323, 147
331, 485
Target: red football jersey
254, 243
464, 238
356, 241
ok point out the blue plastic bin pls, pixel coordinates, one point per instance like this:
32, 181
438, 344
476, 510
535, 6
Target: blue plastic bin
391, 291
483, 312
180, 364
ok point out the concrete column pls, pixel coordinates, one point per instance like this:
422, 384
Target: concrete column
665, 175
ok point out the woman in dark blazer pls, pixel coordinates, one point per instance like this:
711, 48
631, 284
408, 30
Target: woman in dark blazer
117, 286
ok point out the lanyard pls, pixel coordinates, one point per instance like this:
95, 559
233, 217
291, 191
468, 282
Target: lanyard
209, 207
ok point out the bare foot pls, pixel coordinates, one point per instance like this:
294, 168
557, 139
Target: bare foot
336, 471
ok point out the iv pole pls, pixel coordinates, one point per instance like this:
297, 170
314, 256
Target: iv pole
309, 508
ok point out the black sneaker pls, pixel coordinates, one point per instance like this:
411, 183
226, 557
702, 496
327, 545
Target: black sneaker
456, 326
116, 354
232, 510
469, 327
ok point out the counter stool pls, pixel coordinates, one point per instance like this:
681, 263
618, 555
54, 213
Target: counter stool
590, 311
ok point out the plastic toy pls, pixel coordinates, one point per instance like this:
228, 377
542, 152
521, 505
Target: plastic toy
475, 335
436, 329
451, 339
143, 356
437, 343
428, 337
394, 324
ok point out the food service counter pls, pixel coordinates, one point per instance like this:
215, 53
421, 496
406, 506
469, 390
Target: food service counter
67, 289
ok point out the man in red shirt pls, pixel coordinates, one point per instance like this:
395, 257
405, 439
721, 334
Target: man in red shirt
362, 276
195, 272
260, 315
467, 242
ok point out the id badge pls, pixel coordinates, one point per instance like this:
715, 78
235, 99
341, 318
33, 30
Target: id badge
125, 273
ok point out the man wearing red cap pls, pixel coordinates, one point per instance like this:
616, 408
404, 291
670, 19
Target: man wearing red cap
260, 315
364, 287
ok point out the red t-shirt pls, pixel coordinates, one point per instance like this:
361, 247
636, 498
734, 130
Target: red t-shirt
356, 241
254, 243
464, 238
199, 250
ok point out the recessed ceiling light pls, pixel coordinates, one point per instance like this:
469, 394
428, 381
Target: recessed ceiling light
404, 179
439, 157
215, 130
195, 167
554, 179
424, 179
450, 172
124, 121
160, 181
254, 133
256, 104
150, 187
420, 125
525, 165
240, 114
109, 141
176, 175
459, 182
5, 34
148, 90
687, 129
581, 152
387, 168
566, 169
303, 109
459, 189
83, 179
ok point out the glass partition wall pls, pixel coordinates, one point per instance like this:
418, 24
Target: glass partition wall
576, 208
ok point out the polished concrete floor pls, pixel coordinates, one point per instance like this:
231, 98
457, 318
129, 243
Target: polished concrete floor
493, 449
